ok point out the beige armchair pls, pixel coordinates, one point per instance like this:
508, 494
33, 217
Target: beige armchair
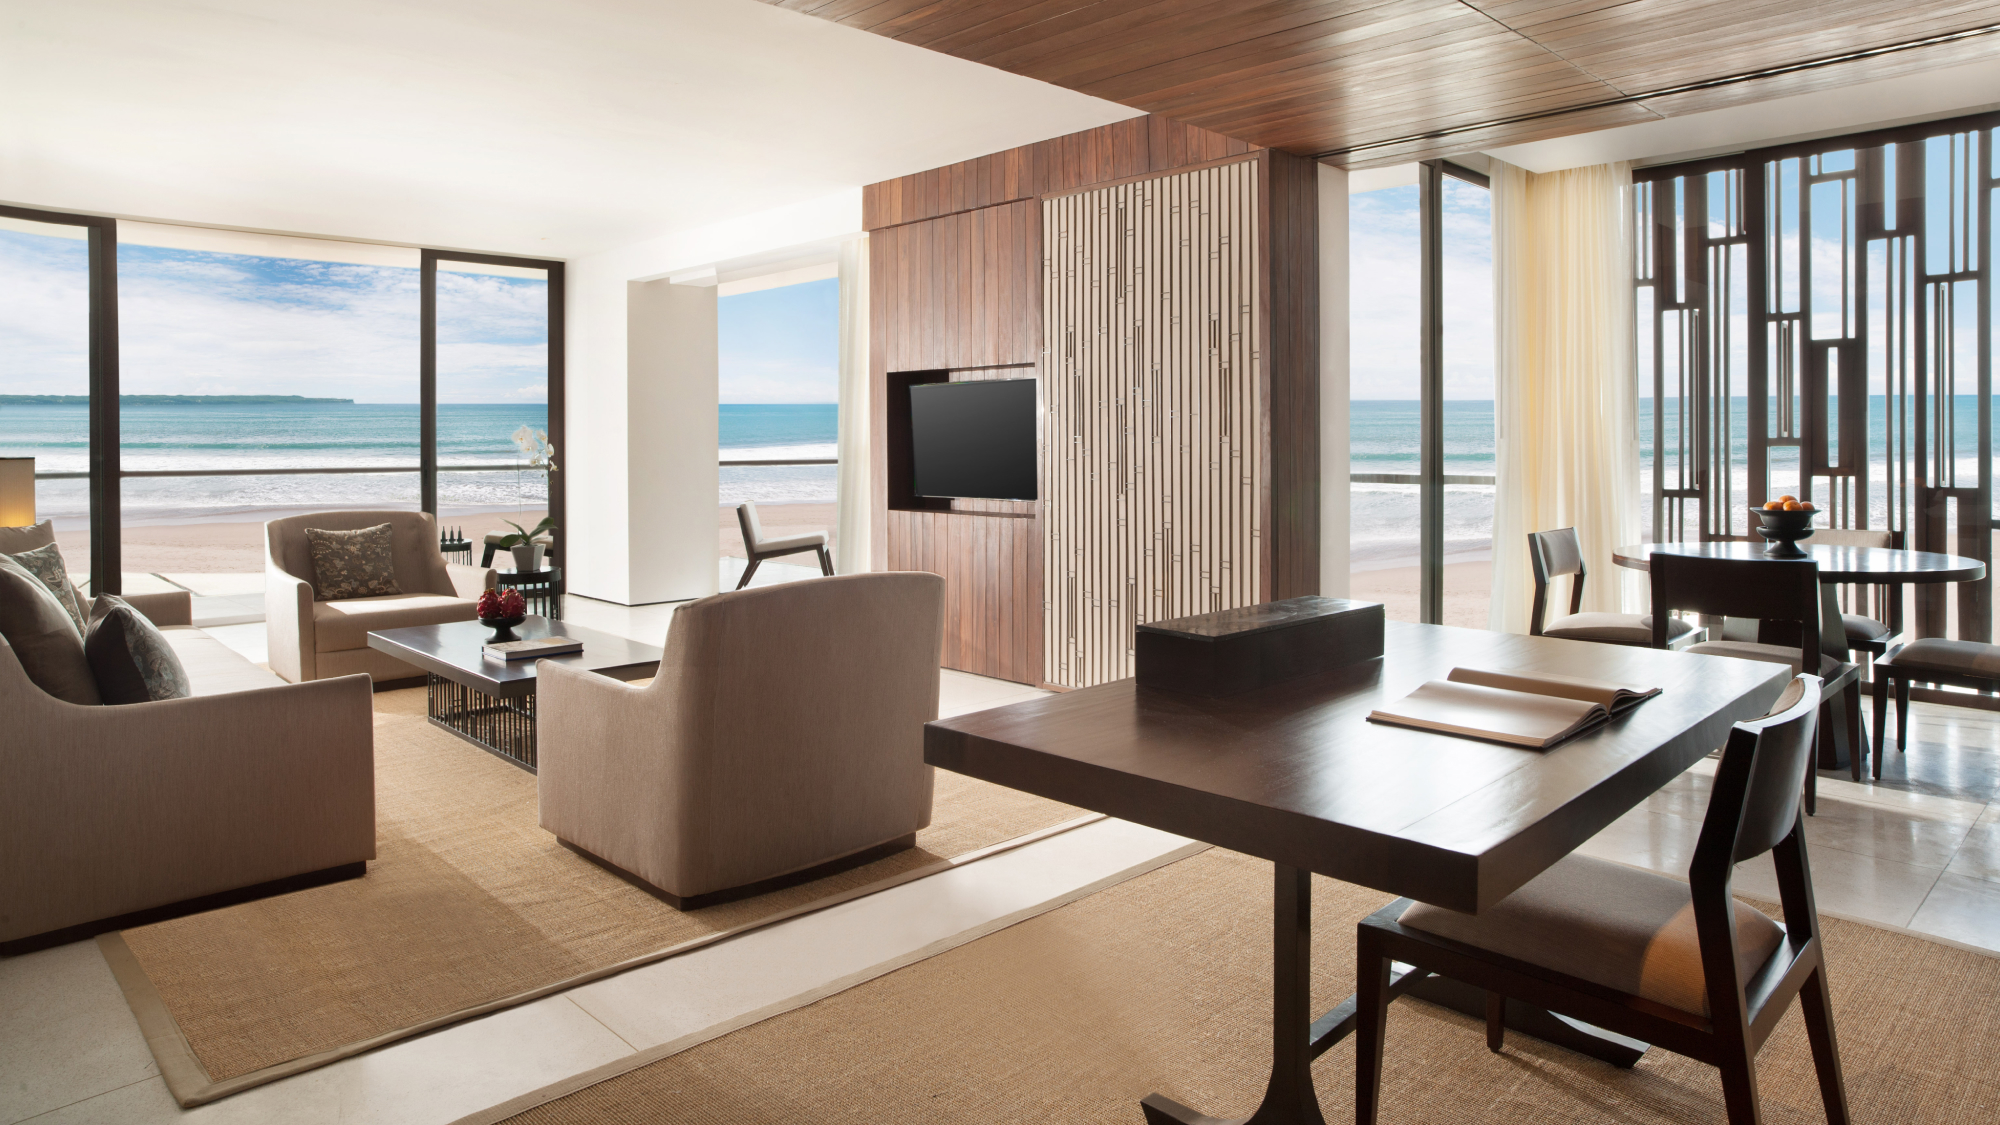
783, 734
313, 640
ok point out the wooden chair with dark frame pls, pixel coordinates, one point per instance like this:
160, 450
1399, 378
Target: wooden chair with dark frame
1934, 661
1872, 635
757, 548
1784, 595
1682, 966
1554, 554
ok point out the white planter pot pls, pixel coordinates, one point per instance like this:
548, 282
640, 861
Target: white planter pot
527, 556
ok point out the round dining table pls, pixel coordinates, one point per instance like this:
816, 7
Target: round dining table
1869, 566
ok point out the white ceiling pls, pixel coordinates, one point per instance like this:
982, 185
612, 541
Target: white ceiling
509, 126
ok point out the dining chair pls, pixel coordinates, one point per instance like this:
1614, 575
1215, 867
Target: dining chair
1555, 554
1785, 596
758, 548
1870, 634
1682, 966
1934, 661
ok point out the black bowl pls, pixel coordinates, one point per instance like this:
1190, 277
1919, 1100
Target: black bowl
1783, 529
503, 627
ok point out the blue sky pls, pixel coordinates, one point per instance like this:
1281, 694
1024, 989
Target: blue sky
195, 322
781, 345
1382, 292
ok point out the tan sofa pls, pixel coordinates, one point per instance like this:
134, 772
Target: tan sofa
783, 732
107, 811
312, 640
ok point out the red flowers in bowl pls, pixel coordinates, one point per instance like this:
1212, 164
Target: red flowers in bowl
502, 605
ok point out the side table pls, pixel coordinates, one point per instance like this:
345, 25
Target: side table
540, 588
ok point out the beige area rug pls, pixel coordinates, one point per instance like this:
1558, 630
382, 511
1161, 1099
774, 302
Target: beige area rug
1161, 984
470, 906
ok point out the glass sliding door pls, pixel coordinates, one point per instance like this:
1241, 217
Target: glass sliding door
59, 378
492, 378
1466, 566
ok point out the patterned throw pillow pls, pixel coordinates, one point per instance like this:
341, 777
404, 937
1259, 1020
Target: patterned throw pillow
132, 661
353, 564
46, 563
42, 636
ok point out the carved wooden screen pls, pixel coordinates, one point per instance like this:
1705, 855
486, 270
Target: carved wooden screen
1816, 319
1153, 462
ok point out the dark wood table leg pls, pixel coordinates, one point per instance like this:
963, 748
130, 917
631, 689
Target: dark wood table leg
1289, 1098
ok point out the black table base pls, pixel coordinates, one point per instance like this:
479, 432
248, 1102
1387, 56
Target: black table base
504, 728
1297, 1039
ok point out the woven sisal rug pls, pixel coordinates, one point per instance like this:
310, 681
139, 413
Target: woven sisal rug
469, 907
1161, 983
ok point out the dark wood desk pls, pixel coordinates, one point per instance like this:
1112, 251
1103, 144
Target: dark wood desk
1297, 775
491, 703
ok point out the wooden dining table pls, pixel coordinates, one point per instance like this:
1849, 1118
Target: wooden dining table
1838, 565
1296, 774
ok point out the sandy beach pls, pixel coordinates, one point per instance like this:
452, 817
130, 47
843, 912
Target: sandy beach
1468, 591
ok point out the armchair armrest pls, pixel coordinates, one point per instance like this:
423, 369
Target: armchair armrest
469, 581
288, 625
174, 607
609, 767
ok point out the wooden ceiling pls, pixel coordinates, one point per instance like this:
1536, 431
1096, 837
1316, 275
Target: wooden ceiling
1363, 83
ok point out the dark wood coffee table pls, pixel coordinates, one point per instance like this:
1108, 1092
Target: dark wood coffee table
491, 703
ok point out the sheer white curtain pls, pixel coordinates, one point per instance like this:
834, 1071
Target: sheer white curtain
1565, 406
850, 548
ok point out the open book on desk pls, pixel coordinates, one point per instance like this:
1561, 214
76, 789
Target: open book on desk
1535, 710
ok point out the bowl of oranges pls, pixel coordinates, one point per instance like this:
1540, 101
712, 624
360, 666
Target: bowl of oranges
1783, 522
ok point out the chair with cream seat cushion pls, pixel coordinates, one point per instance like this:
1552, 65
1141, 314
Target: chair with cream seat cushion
312, 639
1935, 661
1872, 635
1683, 966
1555, 554
757, 546
1786, 597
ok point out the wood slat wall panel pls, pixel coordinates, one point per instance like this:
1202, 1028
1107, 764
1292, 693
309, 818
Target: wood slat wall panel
1347, 79
1155, 470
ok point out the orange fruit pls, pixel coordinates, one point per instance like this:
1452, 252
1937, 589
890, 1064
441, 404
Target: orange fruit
1773, 505
1805, 506
1788, 498
1791, 505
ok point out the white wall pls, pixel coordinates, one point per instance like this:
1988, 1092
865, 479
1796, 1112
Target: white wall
1333, 389
642, 390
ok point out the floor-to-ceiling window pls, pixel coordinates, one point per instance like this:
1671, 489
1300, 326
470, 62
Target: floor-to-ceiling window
778, 365
1388, 377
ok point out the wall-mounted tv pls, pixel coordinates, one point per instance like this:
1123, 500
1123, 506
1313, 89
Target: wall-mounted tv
973, 440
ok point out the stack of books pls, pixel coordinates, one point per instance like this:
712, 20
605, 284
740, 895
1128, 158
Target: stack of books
530, 650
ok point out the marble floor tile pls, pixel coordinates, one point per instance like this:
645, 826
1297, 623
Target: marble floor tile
1641, 838
1978, 856
1963, 909
53, 1049
1883, 833
1858, 886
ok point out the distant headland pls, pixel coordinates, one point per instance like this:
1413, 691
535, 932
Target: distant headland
175, 400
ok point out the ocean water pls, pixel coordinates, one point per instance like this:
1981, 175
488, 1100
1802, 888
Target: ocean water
763, 432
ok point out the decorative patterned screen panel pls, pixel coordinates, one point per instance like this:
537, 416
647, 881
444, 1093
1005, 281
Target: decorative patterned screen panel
1816, 319
1153, 462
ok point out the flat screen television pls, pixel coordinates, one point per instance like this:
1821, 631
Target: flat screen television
973, 440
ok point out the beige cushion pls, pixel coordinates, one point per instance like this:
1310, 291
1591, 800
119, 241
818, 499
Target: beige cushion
1609, 924
1960, 658
43, 637
1861, 628
346, 624
1613, 628
14, 540
353, 564
1770, 654
213, 668
791, 543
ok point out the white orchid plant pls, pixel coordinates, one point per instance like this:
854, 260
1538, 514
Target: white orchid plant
541, 454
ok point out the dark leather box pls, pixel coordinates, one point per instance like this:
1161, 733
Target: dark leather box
1239, 650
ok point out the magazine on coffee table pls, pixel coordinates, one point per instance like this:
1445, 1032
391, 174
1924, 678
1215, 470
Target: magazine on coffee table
1532, 709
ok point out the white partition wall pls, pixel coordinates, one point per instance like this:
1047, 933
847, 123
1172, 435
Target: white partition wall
1334, 502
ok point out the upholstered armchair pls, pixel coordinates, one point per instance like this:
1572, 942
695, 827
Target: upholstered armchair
783, 734
315, 640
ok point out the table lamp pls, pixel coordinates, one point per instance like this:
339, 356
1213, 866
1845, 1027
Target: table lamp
17, 491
